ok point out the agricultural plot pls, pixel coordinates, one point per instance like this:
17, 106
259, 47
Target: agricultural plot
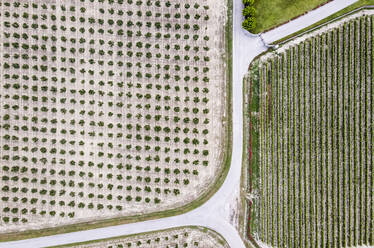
109, 108
316, 138
179, 237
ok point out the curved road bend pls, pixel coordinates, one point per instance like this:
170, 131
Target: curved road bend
213, 214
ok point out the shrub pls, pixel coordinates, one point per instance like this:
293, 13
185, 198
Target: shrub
249, 24
248, 2
249, 11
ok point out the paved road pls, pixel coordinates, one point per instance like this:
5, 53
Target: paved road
214, 213
306, 20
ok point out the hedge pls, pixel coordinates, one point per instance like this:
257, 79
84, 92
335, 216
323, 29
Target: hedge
249, 14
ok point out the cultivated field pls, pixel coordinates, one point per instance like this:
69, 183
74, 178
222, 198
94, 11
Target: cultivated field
108, 108
179, 237
315, 185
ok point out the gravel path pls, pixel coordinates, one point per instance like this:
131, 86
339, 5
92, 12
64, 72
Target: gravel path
215, 213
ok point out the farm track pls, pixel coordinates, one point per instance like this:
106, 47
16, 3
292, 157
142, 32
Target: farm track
321, 110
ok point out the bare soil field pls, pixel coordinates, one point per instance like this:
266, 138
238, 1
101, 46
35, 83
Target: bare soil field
178, 237
108, 108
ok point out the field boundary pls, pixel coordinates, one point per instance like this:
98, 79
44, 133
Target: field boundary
248, 156
226, 163
312, 28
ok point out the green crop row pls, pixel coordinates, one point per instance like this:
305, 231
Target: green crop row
316, 140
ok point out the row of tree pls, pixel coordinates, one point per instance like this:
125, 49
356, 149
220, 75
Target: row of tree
249, 12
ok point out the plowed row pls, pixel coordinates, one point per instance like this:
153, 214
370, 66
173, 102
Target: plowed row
316, 140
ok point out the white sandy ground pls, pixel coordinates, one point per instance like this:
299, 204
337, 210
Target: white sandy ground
188, 193
214, 214
207, 239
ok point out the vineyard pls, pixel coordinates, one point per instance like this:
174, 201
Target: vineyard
109, 108
316, 162
180, 237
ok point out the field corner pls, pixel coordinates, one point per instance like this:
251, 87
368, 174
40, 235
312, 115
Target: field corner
227, 153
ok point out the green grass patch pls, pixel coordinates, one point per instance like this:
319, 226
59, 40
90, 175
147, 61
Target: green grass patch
352, 7
271, 13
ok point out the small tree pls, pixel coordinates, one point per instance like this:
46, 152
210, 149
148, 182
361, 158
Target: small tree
249, 24
249, 11
248, 2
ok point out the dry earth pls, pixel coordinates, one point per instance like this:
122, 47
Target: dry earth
102, 119
180, 237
